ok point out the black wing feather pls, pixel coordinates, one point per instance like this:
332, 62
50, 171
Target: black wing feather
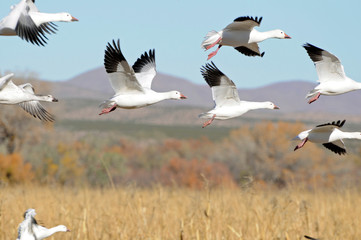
314, 52
308, 237
248, 52
241, 19
113, 56
334, 148
144, 60
339, 124
212, 74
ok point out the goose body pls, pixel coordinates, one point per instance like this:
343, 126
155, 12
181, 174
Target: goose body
331, 75
24, 96
329, 135
29, 229
132, 85
225, 95
242, 36
28, 23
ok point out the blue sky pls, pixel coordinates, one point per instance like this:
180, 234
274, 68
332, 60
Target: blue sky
176, 29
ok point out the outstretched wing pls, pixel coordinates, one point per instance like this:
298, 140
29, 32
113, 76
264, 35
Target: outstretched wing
337, 124
5, 80
37, 110
27, 29
336, 147
250, 50
328, 66
224, 90
121, 76
244, 23
145, 69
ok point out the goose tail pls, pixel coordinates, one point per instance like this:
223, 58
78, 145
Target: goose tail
210, 39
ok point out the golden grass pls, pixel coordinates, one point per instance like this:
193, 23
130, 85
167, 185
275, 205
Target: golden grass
162, 213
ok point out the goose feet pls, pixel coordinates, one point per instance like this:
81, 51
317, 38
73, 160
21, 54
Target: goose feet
108, 110
301, 144
214, 44
209, 121
314, 98
212, 54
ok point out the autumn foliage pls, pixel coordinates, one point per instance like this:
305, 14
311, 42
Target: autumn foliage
14, 170
260, 153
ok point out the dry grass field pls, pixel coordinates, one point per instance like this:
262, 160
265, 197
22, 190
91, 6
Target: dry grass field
164, 213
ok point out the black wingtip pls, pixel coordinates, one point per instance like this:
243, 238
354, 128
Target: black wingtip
245, 18
308, 237
339, 123
211, 74
314, 52
143, 60
112, 56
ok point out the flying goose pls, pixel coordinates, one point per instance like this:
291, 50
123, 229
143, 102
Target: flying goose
331, 75
29, 24
329, 134
132, 85
24, 96
242, 36
29, 229
225, 95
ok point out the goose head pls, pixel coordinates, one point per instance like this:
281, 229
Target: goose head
177, 95
48, 98
30, 212
62, 228
67, 17
271, 105
280, 34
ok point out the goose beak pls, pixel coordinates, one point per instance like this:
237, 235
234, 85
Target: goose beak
183, 97
68, 230
55, 100
276, 107
286, 36
73, 19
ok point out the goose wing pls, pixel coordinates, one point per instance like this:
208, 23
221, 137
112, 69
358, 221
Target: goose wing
328, 66
27, 29
224, 90
5, 80
121, 76
34, 107
329, 126
336, 147
250, 50
244, 23
145, 69
37, 110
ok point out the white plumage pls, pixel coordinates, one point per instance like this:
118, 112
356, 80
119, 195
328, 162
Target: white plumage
28, 23
225, 95
132, 85
329, 134
331, 75
242, 36
24, 96
29, 229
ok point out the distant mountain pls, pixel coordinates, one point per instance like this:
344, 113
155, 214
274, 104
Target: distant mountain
93, 87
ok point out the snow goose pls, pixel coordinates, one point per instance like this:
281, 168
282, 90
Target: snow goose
225, 95
24, 96
29, 24
331, 75
132, 85
329, 134
242, 36
29, 229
